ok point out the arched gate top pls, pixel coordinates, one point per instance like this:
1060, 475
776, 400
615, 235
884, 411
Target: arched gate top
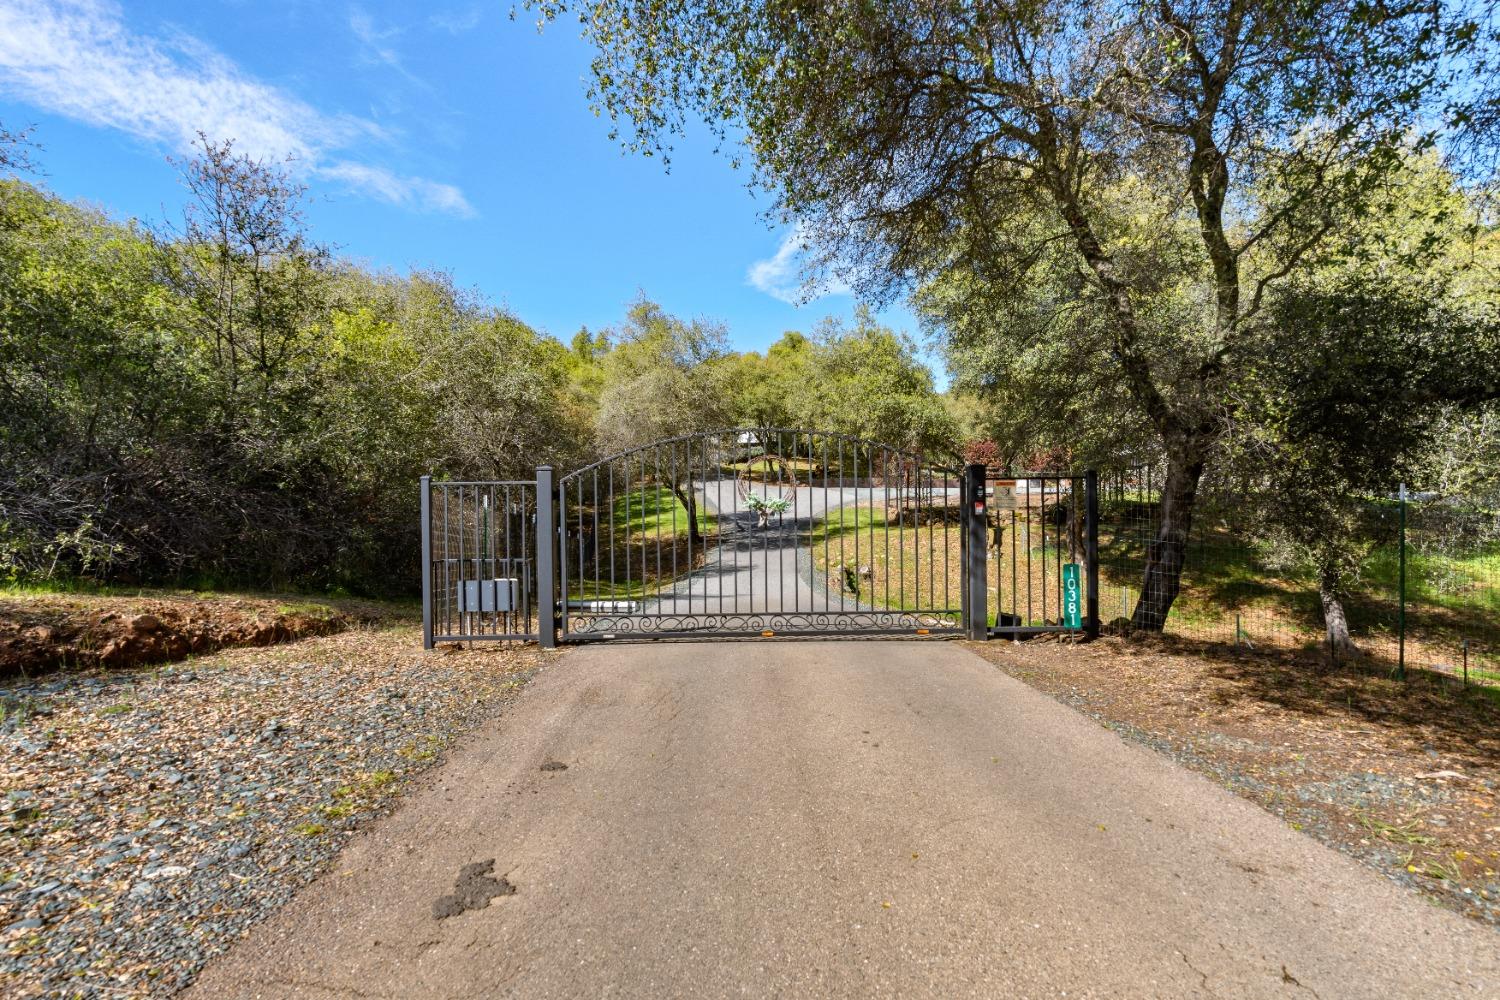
918, 458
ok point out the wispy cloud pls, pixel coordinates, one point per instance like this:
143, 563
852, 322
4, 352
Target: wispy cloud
399, 190
458, 22
77, 58
377, 44
784, 275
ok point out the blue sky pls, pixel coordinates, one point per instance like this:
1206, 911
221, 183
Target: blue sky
445, 135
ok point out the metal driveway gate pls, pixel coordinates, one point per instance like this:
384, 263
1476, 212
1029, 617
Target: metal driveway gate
760, 532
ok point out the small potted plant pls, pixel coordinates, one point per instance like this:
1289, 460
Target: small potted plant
764, 507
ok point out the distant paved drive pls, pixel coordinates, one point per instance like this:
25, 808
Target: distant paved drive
842, 819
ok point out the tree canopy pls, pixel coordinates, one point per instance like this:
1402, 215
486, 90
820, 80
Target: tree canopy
1167, 165
226, 401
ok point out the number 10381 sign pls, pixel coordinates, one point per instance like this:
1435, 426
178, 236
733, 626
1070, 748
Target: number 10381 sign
1072, 597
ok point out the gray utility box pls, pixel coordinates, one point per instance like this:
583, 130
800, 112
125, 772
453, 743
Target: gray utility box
488, 596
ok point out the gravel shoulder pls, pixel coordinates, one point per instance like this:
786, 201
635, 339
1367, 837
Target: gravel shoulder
151, 816
1402, 776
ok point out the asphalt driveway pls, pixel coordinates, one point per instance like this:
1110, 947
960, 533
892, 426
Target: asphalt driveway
842, 819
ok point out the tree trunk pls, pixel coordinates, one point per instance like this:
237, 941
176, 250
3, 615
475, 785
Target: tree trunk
1167, 551
1331, 593
689, 500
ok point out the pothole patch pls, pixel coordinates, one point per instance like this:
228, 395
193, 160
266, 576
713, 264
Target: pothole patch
473, 890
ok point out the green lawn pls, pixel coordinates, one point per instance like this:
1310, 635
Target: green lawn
649, 544
911, 567
1024, 578
1457, 583
655, 512
1230, 582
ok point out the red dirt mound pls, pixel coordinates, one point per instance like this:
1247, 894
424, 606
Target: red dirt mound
47, 633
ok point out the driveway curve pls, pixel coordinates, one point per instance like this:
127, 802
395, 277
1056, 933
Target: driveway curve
838, 819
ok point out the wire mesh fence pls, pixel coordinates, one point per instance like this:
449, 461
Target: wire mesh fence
1419, 586
481, 548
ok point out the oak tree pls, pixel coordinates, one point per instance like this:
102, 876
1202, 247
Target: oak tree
911, 137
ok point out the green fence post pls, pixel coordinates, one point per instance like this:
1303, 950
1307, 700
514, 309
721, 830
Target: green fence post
1401, 588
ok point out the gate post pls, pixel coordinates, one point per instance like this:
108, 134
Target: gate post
976, 540
546, 559
1091, 551
426, 562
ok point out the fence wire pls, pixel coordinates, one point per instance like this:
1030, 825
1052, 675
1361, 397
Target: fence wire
481, 564
1421, 590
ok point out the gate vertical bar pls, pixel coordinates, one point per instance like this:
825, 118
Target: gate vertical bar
426, 562
1091, 551
975, 575
1401, 591
546, 556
